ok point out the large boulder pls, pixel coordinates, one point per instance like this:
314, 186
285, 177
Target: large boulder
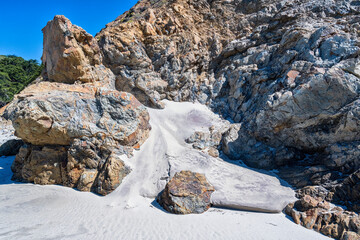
76, 135
55, 114
187, 192
71, 54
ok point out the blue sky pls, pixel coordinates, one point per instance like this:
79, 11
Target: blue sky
21, 21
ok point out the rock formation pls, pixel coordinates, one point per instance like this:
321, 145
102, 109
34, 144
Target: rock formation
316, 213
55, 114
186, 192
72, 55
76, 125
285, 73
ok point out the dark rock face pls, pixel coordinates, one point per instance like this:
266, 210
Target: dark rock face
186, 192
348, 192
11, 147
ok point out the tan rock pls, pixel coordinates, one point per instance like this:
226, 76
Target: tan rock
310, 218
71, 54
89, 164
41, 165
86, 180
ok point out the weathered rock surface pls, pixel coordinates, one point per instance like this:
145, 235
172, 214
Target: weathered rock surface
187, 192
316, 213
286, 72
209, 141
89, 164
348, 192
55, 114
72, 55
76, 135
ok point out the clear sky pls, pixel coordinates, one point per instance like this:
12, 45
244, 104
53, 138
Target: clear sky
21, 21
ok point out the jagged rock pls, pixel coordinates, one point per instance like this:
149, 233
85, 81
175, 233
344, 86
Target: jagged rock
350, 236
186, 192
89, 164
286, 71
210, 140
11, 147
317, 214
342, 156
40, 165
71, 54
94, 164
54, 114
348, 192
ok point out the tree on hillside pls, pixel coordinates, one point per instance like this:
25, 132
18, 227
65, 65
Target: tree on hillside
15, 74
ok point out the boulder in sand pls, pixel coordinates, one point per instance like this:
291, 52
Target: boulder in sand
187, 192
76, 135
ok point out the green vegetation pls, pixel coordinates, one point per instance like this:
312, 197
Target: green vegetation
15, 74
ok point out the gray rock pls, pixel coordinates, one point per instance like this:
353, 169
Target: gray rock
55, 114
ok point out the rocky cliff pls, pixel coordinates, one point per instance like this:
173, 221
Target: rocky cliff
285, 73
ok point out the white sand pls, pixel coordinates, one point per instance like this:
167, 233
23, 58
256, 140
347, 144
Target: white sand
29, 211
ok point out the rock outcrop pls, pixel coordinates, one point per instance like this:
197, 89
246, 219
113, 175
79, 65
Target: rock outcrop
76, 126
187, 192
72, 55
286, 71
76, 135
316, 213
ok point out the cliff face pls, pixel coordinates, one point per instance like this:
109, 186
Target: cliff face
287, 71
